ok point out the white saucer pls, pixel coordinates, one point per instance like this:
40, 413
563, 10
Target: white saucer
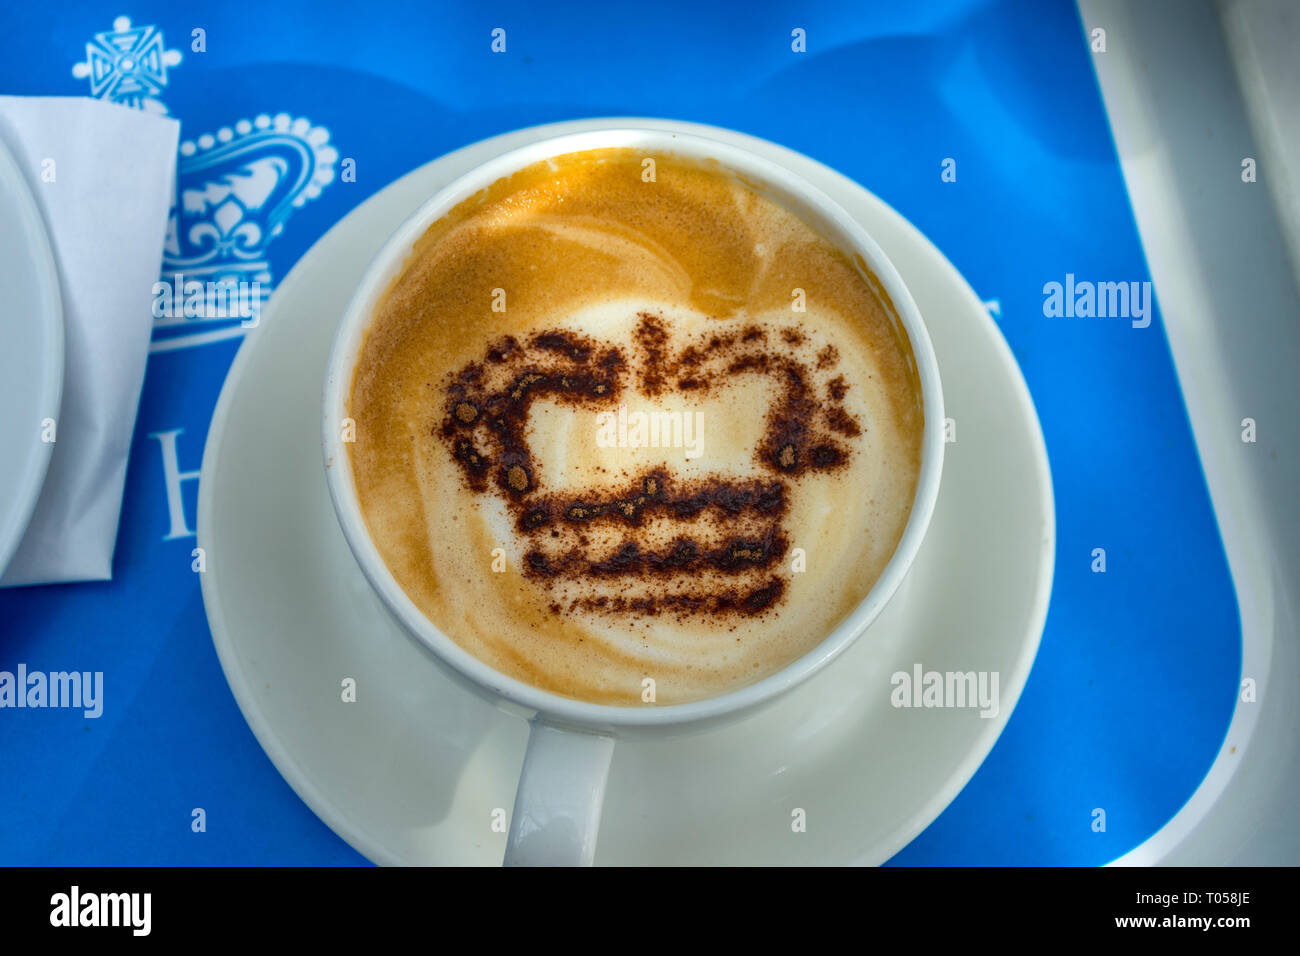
412, 772
31, 353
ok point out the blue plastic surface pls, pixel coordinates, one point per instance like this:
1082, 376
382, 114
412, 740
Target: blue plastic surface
1134, 684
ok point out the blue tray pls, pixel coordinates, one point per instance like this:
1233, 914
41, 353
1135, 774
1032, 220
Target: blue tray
1134, 685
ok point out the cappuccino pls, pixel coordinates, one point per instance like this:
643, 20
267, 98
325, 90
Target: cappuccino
633, 438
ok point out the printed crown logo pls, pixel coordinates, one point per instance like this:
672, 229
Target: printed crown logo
235, 191
128, 65
235, 188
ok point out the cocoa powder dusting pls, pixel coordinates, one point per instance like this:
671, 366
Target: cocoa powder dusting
725, 528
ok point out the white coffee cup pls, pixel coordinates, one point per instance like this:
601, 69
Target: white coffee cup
562, 785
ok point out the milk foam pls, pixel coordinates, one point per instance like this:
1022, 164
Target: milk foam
576, 556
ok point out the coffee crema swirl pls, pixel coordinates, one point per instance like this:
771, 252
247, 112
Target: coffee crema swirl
586, 567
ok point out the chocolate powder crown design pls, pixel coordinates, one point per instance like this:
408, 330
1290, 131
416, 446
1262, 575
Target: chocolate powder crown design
807, 430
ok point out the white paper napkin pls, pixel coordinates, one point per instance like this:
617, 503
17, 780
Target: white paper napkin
106, 215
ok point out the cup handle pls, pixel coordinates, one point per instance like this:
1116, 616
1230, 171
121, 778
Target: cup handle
558, 803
